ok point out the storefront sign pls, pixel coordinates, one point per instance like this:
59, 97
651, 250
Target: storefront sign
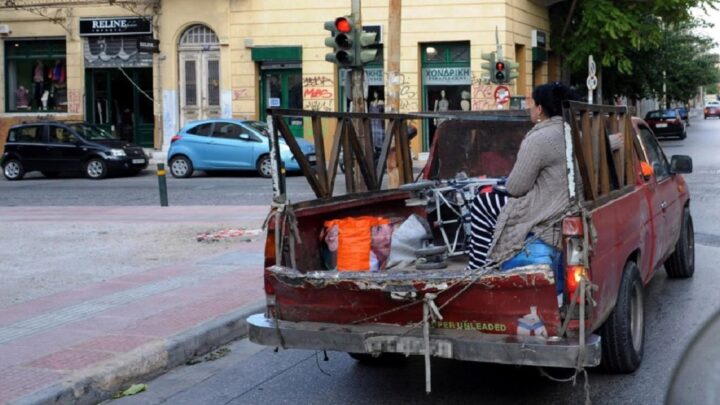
115, 26
373, 76
446, 76
148, 45
115, 51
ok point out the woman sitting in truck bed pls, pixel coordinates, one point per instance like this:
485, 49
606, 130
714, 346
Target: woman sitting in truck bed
536, 190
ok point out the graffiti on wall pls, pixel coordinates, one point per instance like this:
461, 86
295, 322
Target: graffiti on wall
74, 101
318, 93
243, 93
482, 94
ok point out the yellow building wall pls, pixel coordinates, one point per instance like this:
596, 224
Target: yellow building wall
243, 24
300, 23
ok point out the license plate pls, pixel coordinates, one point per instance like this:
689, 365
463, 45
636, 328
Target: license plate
408, 345
661, 126
138, 161
312, 159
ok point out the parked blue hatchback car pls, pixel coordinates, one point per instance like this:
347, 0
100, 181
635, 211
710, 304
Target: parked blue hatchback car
229, 144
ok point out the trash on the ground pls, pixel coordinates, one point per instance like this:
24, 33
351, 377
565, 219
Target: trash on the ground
227, 234
212, 356
134, 389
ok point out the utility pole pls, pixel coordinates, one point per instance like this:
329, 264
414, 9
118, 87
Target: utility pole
358, 100
392, 94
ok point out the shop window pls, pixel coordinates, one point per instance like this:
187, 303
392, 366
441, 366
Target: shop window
36, 76
446, 81
446, 53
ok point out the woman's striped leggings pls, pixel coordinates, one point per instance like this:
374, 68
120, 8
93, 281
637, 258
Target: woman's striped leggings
483, 217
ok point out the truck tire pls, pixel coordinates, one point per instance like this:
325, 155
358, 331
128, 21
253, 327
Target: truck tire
681, 263
384, 359
623, 333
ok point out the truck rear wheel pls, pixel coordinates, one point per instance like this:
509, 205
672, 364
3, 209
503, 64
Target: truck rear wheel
623, 333
384, 359
681, 263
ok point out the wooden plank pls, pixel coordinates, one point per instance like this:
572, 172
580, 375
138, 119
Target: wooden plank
320, 165
387, 142
571, 117
369, 148
604, 169
587, 148
359, 157
308, 171
334, 156
348, 157
628, 140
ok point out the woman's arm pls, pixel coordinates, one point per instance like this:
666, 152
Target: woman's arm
529, 162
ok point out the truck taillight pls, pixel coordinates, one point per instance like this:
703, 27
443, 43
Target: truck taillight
573, 276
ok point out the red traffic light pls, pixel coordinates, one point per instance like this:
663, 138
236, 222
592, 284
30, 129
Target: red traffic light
499, 66
343, 25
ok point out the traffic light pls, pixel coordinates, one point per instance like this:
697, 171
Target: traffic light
488, 67
342, 41
351, 47
366, 39
512, 69
499, 74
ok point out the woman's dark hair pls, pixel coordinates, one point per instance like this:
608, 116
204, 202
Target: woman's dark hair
550, 97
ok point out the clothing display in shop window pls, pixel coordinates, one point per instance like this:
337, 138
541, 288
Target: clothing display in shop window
465, 100
59, 87
22, 101
38, 82
376, 126
441, 105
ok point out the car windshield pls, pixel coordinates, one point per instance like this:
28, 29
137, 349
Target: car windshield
656, 115
259, 126
92, 132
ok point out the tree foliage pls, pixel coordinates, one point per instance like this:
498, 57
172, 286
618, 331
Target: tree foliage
634, 42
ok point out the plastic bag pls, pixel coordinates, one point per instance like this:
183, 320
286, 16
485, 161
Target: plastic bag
406, 239
354, 242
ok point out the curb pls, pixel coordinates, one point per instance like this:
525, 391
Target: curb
99, 382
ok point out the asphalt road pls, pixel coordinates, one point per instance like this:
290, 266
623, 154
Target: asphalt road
201, 189
675, 309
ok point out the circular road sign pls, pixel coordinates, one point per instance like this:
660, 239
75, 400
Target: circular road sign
502, 94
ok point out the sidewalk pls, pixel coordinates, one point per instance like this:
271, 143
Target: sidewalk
86, 340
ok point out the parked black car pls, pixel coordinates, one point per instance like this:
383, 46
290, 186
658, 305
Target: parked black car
55, 147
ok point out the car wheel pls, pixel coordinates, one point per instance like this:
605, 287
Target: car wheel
51, 175
623, 333
181, 167
96, 169
681, 263
13, 170
264, 166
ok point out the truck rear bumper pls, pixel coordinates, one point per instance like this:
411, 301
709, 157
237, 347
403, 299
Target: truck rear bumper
453, 344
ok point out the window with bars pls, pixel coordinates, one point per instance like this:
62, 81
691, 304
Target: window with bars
446, 54
190, 83
199, 35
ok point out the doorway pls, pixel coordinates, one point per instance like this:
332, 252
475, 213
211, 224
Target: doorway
118, 100
199, 60
283, 88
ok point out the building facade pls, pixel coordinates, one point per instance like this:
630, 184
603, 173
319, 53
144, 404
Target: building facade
83, 60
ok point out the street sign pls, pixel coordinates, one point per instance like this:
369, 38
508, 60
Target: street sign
502, 94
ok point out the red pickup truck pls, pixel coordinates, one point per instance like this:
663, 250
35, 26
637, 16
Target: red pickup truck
630, 216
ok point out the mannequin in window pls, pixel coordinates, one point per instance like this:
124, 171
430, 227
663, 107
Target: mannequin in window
465, 100
38, 82
21, 98
377, 105
441, 105
57, 77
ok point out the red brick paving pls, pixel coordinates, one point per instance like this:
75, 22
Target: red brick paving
36, 361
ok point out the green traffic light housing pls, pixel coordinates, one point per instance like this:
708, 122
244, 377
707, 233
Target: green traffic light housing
351, 47
489, 66
512, 69
342, 40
